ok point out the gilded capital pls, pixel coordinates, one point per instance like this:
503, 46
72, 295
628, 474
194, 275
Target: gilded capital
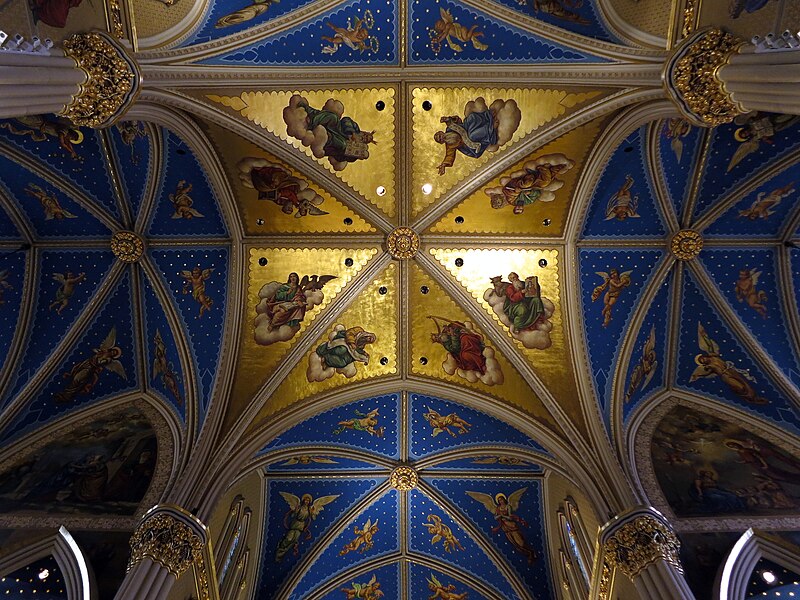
692, 78
634, 541
167, 540
112, 80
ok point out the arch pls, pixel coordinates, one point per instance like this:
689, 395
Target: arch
750, 491
78, 578
737, 570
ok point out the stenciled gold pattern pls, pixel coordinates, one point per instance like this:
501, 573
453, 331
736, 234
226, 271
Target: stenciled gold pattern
640, 543
167, 541
127, 246
402, 242
686, 244
403, 478
695, 76
111, 80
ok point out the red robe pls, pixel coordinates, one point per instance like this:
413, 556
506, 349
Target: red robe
53, 12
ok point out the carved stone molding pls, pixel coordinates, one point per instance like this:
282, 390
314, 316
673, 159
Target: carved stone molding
692, 79
639, 538
112, 80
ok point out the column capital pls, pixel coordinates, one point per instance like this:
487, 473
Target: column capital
638, 538
177, 540
112, 79
691, 77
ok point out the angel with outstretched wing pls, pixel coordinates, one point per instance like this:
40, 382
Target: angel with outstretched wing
646, 367
4, 284
756, 128
196, 280
85, 374
297, 521
504, 508
613, 284
364, 591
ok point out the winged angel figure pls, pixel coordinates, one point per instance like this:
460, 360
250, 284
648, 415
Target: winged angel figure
85, 374
503, 508
297, 521
646, 367
364, 591
710, 364
755, 128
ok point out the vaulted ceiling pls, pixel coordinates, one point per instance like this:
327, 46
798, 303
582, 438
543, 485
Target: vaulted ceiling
543, 317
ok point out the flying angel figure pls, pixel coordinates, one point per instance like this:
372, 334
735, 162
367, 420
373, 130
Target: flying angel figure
297, 521
443, 592
710, 364
196, 279
85, 374
503, 508
305, 459
646, 367
4, 285
754, 129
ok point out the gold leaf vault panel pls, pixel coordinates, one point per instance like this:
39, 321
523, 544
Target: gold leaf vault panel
269, 190
330, 131
530, 198
492, 375
473, 124
360, 344
277, 314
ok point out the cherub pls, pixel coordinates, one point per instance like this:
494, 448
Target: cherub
196, 278
674, 130
182, 202
762, 206
63, 295
442, 592
746, 291
128, 132
710, 364
364, 591
297, 521
4, 285
443, 423
85, 374
613, 284
440, 531
50, 204
355, 36
364, 422
162, 366
622, 205
646, 367
503, 508
363, 540
305, 459
446, 27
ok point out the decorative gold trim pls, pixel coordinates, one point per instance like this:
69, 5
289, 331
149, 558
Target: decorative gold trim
167, 541
689, 17
692, 78
640, 542
686, 244
112, 80
127, 246
402, 242
403, 478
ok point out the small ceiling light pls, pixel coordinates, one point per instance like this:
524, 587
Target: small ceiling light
44, 574
380, 190
768, 576
427, 188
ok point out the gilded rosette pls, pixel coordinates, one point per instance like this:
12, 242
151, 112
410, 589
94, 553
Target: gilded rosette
127, 246
686, 244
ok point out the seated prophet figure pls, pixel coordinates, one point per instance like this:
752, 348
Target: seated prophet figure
523, 301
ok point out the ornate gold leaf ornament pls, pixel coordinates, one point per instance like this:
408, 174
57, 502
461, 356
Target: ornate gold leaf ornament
112, 80
637, 539
403, 478
691, 78
127, 246
686, 244
176, 540
402, 243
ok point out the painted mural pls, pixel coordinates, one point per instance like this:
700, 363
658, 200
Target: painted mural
102, 467
707, 466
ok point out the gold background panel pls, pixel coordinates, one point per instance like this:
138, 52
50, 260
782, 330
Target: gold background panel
762, 21
371, 310
436, 302
537, 107
153, 17
480, 217
256, 362
364, 176
233, 148
552, 365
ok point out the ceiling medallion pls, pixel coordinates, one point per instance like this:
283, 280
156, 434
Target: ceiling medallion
403, 478
402, 242
127, 246
686, 244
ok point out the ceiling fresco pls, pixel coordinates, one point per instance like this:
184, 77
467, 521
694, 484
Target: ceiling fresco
382, 234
